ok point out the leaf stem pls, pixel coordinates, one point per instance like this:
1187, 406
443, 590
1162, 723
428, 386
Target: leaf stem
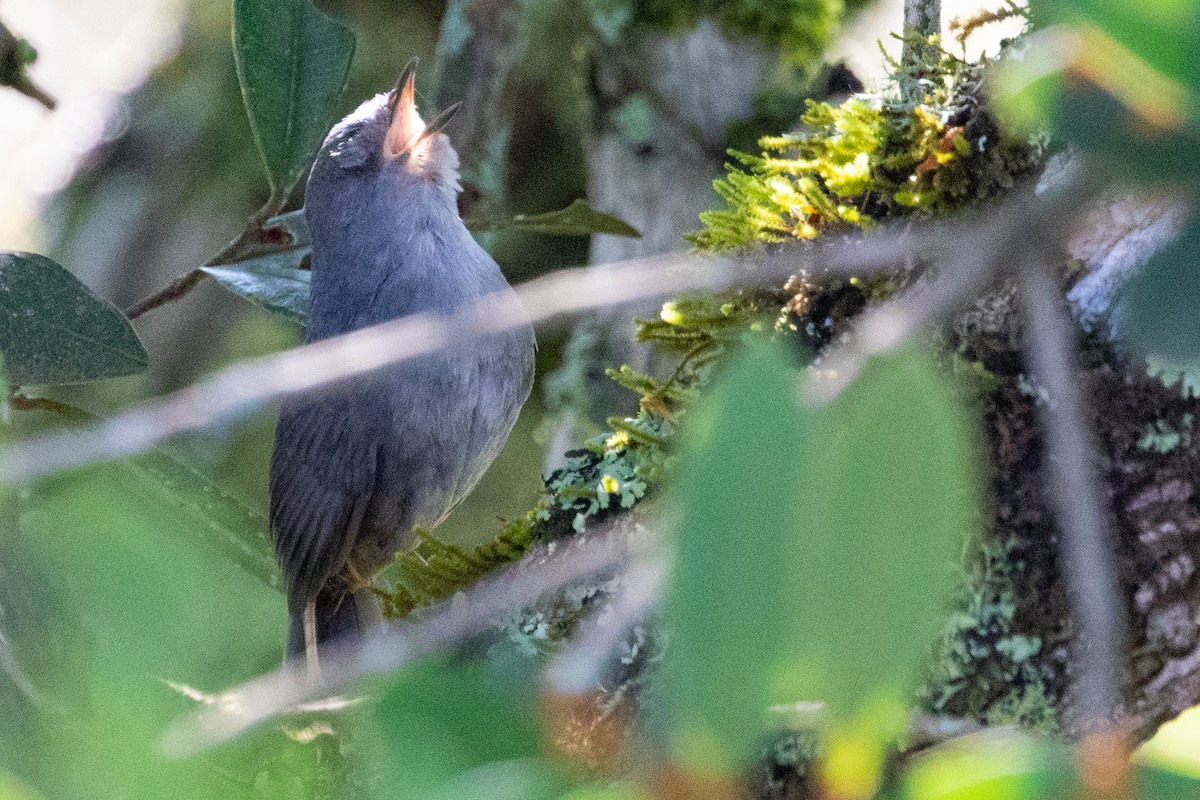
250, 242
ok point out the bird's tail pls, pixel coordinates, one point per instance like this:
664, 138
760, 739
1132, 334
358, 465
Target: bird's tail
341, 620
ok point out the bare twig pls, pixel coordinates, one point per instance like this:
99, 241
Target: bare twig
468, 614
1086, 540
255, 240
248, 385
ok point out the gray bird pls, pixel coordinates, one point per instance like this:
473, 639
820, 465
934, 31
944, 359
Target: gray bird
356, 467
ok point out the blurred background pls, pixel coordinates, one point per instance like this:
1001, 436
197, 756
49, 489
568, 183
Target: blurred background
145, 170
147, 167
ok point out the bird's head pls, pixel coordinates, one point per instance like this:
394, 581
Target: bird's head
384, 152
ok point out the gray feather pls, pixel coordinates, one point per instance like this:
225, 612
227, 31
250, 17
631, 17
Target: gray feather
355, 468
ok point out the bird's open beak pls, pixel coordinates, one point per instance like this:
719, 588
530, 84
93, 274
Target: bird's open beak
406, 124
407, 129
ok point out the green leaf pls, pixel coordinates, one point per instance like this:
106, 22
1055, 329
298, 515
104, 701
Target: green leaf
728, 595
1151, 29
275, 282
1161, 304
215, 519
451, 732
292, 62
577, 219
1004, 766
889, 495
814, 547
53, 330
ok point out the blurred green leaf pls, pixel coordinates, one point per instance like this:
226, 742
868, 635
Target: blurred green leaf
156, 606
577, 219
1153, 29
992, 766
12, 789
1106, 95
213, 517
814, 548
888, 497
275, 282
53, 330
730, 590
450, 732
292, 63
1164, 784
1159, 305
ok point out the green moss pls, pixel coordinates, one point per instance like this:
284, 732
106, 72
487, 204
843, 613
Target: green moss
872, 158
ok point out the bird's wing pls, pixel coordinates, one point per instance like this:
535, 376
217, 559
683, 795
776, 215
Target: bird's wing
322, 477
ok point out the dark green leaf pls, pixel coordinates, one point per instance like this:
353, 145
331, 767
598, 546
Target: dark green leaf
292, 62
54, 330
577, 219
275, 282
814, 547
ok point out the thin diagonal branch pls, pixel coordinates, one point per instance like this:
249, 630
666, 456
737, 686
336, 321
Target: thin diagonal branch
248, 385
255, 240
468, 614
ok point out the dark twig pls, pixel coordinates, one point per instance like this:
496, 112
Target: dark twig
253, 241
1086, 540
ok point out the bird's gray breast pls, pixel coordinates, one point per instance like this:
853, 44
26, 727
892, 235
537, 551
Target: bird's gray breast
440, 420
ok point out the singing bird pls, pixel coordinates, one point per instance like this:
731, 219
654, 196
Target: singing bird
355, 468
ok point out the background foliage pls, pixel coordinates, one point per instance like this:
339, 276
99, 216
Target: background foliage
814, 545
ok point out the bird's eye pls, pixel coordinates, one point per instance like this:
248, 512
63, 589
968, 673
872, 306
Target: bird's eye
348, 151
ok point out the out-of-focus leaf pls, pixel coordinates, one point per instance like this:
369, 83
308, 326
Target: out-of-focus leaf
292, 62
209, 515
577, 219
607, 791
275, 282
213, 517
1160, 308
729, 596
814, 547
1153, 30
1164, 784
992, 766
1175, 747
53, 330
156, 606
888, 495
12, 789
1092, 90
450, 733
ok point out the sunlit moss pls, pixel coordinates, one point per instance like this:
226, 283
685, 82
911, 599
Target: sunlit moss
874, 157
